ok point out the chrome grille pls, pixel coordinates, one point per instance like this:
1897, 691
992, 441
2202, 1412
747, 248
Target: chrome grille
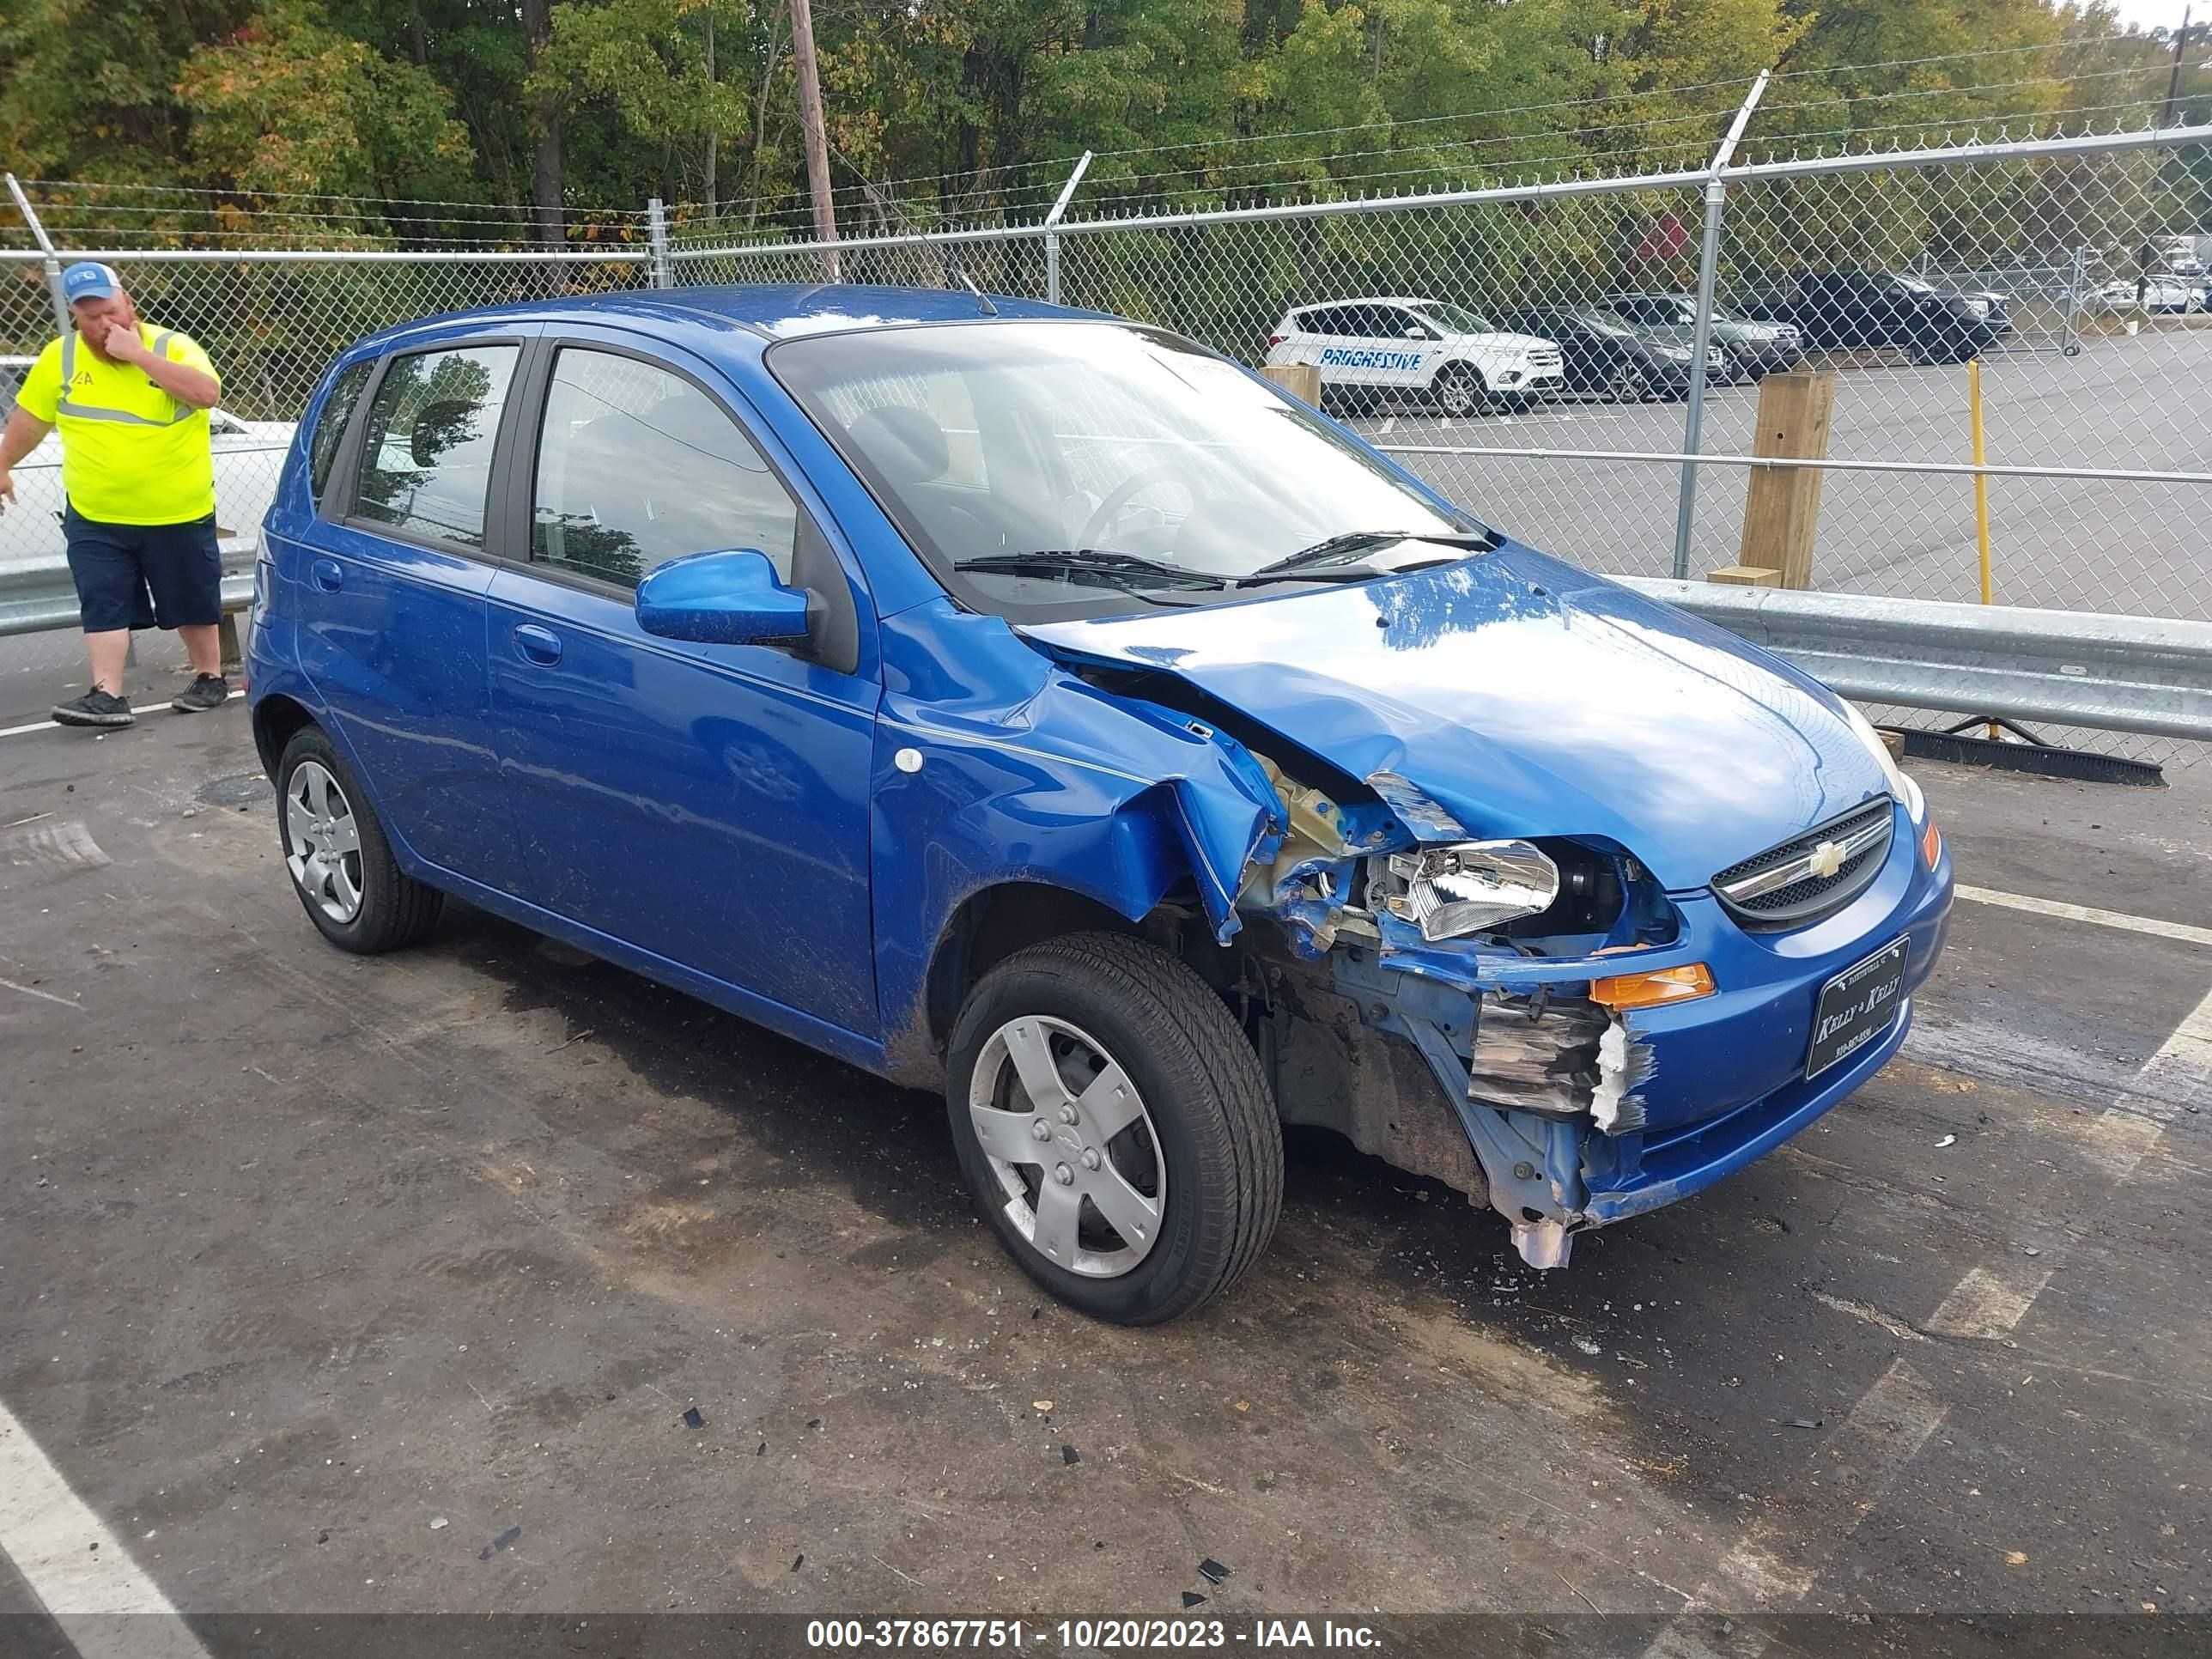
1790, 886
1542, 358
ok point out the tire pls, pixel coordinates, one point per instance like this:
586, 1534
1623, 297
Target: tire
346, 879
1460, 392
1627, 383
1197, 1160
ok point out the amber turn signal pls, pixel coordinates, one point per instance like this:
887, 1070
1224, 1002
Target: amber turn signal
1625, 991
1931, 842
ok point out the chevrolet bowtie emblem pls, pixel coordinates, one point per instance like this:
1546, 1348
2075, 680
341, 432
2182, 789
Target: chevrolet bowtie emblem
1828, 857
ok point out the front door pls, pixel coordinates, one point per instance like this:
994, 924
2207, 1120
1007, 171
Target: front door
391, 575
708, 803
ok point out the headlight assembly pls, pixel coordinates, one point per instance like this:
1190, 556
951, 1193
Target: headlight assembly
1452, 891
1900, 785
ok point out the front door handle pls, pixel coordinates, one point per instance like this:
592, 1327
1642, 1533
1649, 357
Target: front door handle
539, 645
327, 574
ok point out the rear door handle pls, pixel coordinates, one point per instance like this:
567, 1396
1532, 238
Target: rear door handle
538, 645
327, 574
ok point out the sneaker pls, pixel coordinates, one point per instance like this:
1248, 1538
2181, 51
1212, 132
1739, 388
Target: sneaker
207, 691
94, 707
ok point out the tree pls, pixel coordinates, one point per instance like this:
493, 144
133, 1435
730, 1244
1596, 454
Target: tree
285, 104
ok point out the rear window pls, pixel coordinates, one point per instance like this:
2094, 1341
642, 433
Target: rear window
331, 424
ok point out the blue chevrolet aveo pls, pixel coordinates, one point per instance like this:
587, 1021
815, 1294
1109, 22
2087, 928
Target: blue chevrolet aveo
1034, 705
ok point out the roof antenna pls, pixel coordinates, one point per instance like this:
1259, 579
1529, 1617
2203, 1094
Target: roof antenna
981, 299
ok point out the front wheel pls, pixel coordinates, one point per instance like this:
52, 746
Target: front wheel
337, 855
1460, 392
1115, 1127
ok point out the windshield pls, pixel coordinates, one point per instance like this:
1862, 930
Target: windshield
995, 445
1456, 319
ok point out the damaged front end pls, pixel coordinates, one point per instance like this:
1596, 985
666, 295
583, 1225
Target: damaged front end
1429, 995
1424, 991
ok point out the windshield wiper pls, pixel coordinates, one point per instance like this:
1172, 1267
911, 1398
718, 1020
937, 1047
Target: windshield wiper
1091, 559
1354, 542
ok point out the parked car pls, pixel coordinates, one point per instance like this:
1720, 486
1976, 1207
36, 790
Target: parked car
1037, 707
1757, 350
1853, 308
1604, 357
2170, 296
1999, 307
1443, 352
246, 454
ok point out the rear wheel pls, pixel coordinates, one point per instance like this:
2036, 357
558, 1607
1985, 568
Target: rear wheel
1115, 1127
1627, 383
336, 853
1459, 390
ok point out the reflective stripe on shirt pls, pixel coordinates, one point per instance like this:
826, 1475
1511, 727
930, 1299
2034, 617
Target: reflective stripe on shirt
68, 405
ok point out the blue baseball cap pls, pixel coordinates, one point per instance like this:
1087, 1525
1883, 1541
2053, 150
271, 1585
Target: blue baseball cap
90, 280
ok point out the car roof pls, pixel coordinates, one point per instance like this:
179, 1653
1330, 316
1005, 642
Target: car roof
1366, 300
768, 310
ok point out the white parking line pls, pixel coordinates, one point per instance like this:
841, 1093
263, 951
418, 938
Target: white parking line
55, 726
81, 1572
2180, 930
1768, 1571
1991, 1303
1982, 1304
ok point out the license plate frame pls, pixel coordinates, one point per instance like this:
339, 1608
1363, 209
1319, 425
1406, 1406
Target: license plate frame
1863, 1002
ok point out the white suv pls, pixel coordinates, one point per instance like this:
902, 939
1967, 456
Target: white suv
1458, 358
247, 455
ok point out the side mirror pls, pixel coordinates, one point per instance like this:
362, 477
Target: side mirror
732, 598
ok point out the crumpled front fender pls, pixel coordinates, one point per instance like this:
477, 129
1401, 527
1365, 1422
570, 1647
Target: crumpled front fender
1026, 774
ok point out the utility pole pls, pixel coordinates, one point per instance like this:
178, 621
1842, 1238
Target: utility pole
714, 126
817, 141
2174, 79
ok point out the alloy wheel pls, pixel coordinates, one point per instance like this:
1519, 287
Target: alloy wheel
322, 842
1071, 1146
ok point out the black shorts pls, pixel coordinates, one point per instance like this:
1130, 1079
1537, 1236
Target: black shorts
144, 575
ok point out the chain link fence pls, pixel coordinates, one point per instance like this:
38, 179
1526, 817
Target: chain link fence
2069, 267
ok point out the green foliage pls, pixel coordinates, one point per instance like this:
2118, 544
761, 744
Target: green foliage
285, 104
960, 110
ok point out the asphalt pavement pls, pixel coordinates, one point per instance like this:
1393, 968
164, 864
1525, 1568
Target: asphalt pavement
336, 1286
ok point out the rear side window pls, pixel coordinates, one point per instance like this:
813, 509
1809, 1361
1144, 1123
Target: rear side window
331, 424
637, 466
426, 461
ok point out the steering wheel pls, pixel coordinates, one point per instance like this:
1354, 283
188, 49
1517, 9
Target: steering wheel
1120, 496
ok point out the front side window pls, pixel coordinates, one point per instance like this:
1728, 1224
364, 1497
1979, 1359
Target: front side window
636, 465
426, 463
1103, 460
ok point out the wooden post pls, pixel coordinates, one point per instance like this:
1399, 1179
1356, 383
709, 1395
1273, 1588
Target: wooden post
1299, 380
1782, 507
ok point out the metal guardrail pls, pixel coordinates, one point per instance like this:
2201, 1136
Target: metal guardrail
2068, 667
38, 596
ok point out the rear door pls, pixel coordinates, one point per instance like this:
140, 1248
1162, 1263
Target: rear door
706, 804
388, 582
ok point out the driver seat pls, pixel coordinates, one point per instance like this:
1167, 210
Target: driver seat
909, 448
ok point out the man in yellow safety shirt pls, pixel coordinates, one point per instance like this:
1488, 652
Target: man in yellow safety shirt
131, 402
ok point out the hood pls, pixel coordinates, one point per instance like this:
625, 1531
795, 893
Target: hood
1525, 697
